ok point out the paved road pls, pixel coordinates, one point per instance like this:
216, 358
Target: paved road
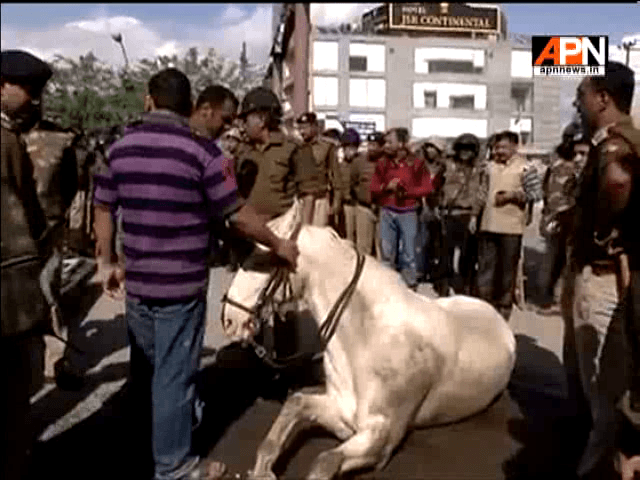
87, 434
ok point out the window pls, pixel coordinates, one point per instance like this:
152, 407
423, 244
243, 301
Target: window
452, 66
521, 64
449, 60
429, 99
462, 102
325, 56
522, 98
357, 64
378, 119
325, 91
523, 126
367, 92
448, 127
449, 95
373, 55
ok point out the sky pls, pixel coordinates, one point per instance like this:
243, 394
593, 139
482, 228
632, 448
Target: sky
148, 29
167, 28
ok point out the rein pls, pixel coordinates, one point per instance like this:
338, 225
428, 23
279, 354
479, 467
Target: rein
280, 277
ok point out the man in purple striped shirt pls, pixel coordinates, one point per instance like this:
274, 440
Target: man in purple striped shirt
171, 184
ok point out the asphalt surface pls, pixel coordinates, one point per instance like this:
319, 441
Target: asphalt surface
90, 433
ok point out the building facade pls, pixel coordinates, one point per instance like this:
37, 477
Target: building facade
434, 68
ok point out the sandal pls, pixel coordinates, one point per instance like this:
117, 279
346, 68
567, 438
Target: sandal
207, 470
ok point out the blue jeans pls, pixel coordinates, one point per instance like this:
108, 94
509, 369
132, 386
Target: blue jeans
169, 339
398, 242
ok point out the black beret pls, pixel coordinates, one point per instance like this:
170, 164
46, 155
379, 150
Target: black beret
308, 117
25, 69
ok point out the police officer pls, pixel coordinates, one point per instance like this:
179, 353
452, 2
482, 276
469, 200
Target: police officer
324, 149
344, 203
272, 168
556, 212
460, 202
604, 265
24, 246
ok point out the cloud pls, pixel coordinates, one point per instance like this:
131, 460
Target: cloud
326, 14
144, 40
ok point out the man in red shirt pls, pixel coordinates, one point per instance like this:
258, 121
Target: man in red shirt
399, 182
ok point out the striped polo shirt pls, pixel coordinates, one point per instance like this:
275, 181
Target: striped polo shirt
172, 185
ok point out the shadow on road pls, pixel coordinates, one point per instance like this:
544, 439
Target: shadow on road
548, 430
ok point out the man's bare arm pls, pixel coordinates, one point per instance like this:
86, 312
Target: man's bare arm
103, 227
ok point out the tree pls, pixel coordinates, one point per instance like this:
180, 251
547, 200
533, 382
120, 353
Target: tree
87, 93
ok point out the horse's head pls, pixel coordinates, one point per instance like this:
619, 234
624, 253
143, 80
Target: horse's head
243, 297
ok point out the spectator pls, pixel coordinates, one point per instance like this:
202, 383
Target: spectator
399, 182
503, 222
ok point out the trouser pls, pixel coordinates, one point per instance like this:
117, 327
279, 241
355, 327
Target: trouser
460, 253
166, 343
425, 219
498, 256
365, 229
632, 333
601, 365
21, 375
350, 222
397, 240
321, 212
551, 268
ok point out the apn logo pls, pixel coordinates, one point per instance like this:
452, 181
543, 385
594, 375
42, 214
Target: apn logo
570, 56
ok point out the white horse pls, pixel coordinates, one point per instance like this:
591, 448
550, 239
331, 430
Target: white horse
398, 360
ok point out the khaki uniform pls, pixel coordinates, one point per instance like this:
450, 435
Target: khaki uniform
595, 323
324, 153
362, 170
344, 202
271, 175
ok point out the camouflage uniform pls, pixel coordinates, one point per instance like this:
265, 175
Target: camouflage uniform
24, 308
461, 196
554, 224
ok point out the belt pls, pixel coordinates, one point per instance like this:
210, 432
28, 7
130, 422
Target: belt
364, 204
603, 267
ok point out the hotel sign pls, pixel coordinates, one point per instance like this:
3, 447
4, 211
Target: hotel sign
439, 17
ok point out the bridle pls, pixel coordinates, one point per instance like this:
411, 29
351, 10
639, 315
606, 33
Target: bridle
267, 306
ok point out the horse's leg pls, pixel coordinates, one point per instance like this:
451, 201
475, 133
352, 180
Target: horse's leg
300, 411
370, 447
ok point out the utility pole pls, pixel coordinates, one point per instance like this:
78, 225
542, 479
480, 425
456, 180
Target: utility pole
118, 39
627, 46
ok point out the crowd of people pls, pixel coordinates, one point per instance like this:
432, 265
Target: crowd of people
193, 183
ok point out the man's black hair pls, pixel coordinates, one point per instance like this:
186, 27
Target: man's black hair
216, 95
170, 89
402, 134
511, 137
618, 82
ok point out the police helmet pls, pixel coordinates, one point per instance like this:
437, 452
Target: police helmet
467, 139
261, 100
